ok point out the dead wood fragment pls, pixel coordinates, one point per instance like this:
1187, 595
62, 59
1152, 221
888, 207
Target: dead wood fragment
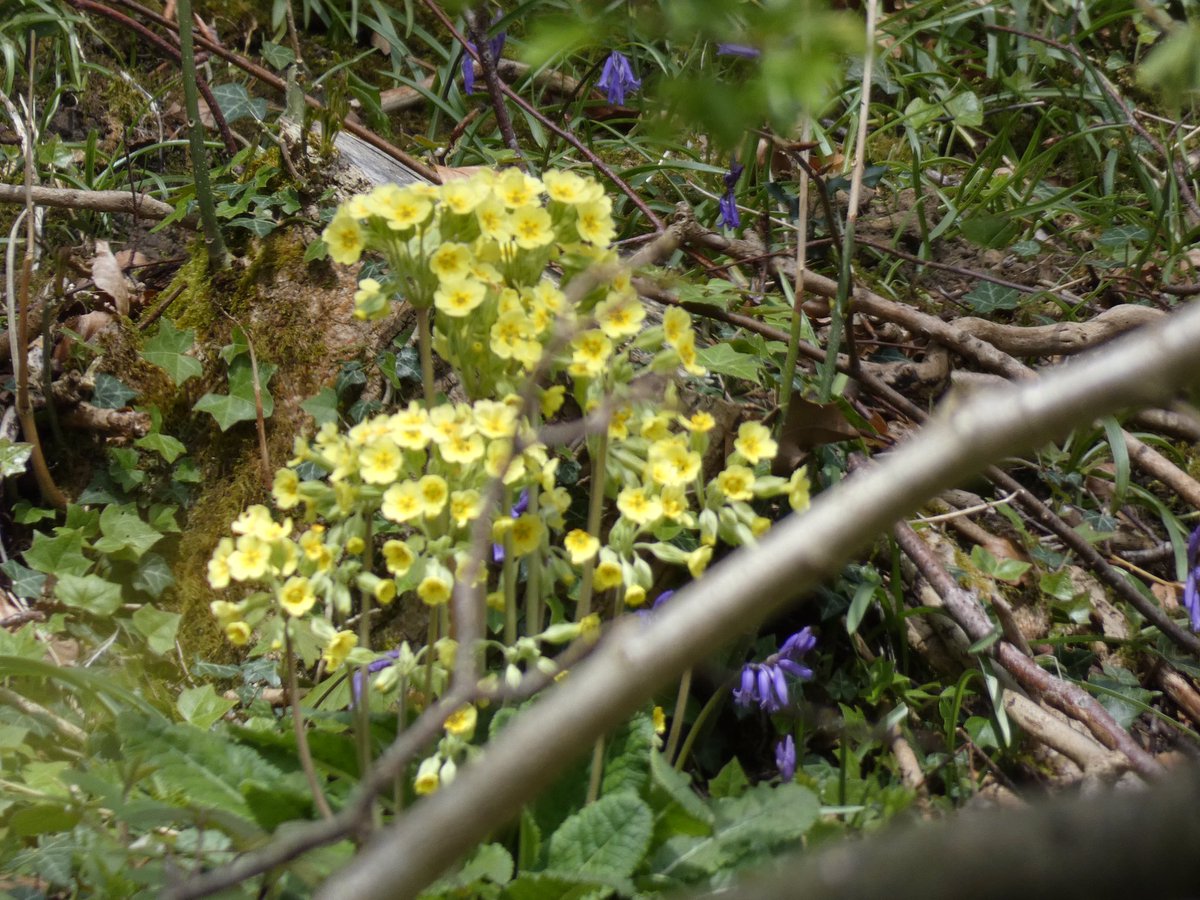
1063, 338
139, 205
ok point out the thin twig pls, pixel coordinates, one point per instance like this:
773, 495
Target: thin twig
302, 748
480, 49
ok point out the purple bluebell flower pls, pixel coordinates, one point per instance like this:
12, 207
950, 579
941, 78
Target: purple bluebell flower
730, 218
765, 684
1191, 588
495, 45
785, 758
617, 78
516, 512
356, 682
743, 50
659, 601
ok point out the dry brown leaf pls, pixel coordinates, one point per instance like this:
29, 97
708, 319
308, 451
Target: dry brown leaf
107, 274
128, 259
450, 173
809, 425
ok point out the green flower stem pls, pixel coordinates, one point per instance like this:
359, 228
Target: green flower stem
204, 195
401, 715
362, 711
707, 710
508, 578
795, 294
593, 792
595, 511
302, 748
533, 575
435, 618
425, 347
681, 699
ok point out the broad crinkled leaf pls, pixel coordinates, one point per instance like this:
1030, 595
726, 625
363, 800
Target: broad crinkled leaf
627, 763
608, 837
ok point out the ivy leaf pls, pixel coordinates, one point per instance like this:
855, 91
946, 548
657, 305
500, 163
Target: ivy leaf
110, 393
987, 297
164, 445
606, 838
239, 404
90, 593
276, 55
202, 707
323, 407
26, 583
153, 575
168, 349
125, 535
724, 360
236, 103
14, 456
158, 627
59, 555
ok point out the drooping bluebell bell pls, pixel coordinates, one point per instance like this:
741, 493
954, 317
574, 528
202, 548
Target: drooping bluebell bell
730, 218
617, 78
495, 45
1191, 588
743, 50
659, 601
785, 758
518, 510
356, 683
765, 684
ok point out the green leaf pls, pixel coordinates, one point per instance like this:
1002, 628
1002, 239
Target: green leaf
125, 535
26, 583
627, 762
276, 56
14, 456
45, 818
109, 393
724, 360
1058, 585
202, 707
27, 514
58, 555
965, 109
164, 445
239, 404
323, 407
153, 575
678, 787
489, 863
168, 349
90, 593
564, 886
987, 297
236, 103
731, 781
608, 837
158, 627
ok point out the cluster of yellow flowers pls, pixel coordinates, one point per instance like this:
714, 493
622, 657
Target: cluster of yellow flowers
387, 507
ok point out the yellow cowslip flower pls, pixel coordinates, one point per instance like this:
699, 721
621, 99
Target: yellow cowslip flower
465, 507
444, 424
589, 628
548, 296
369, 300
250, 558
428, 779
451, 261
357, 206
226, 612
296, 596
286, 489
355, 546
608, 573
760, 525
618, 424
698, 560
686, 348
700, 421
402, 502
639, 506
238, 633
344, 238
798, 489
566, 187
499, 453
635, 595
509, 301
676, 323
675, 504
495, 419
754, 442
656, 426
516, 189
218, 564
493, 220
408, 428
462, 195
551, 400
458, 298
590, 354
594, 222
401, 208
311, 542
580, 546
435, 588
531, 227
256, 520
736, 483
659, 719
338, 649
509, 332
526, 534
380, 461
549, 476
434, 492
398, 557
620, 316
461, 722
671, 464
462, 449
